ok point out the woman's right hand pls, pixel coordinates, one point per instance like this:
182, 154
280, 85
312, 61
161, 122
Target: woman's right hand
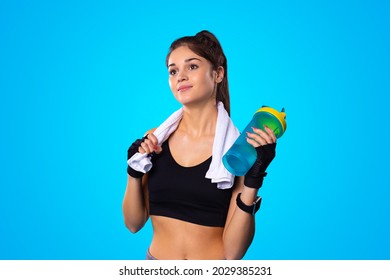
150, 145
147, 144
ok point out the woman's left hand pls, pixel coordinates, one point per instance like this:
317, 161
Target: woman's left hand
260, 137
265, 144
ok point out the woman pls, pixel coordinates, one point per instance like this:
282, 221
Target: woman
191, 217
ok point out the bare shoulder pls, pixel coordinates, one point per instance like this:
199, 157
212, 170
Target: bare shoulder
150, 131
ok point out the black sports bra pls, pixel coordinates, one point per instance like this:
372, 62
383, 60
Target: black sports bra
184, 193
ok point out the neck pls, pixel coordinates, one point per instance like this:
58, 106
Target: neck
199, 119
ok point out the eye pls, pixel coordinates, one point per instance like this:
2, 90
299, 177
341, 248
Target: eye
172, 72
193, 66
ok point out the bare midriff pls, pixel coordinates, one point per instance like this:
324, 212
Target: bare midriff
179, 240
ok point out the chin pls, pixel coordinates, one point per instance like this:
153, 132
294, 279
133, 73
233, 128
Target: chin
184, 100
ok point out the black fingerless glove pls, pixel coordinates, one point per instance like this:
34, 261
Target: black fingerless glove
133, 149
255, 176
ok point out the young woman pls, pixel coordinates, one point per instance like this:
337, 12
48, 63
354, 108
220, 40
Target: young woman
191, 217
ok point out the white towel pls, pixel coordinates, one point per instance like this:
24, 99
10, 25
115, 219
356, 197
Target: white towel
225, 135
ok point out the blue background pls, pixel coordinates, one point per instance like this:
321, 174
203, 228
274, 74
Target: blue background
80, 80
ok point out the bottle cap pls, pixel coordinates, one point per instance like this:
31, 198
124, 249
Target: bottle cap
281, 116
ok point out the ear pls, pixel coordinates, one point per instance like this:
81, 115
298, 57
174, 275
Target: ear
220, 73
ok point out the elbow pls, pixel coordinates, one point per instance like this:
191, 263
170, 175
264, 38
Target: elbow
134, 224
233, 253
233, 256
132, 227
236, 252
133, 220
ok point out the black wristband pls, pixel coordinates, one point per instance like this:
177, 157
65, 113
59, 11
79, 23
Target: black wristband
132, 151
251, 209
134, 173
254, 182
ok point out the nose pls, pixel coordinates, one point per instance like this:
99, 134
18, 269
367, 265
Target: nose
182, 76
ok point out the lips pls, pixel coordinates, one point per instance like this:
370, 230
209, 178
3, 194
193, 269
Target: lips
183, 88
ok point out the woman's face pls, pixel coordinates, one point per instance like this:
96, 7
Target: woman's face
191, 77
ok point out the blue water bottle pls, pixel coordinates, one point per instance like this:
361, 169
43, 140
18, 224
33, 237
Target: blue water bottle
241, 156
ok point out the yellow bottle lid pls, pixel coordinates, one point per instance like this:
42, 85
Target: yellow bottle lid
281, 116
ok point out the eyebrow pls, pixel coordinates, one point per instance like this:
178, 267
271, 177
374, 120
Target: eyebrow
186, 60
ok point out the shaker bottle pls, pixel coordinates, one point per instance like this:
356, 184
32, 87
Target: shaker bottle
242, 155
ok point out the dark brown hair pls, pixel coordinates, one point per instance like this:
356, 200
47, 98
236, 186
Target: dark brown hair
206, 45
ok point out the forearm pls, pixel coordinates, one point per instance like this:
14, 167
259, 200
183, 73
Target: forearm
240, 231
133, 207
135, 203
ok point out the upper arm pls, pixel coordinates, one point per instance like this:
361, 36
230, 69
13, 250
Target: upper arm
238, 187
145, 180
145, 191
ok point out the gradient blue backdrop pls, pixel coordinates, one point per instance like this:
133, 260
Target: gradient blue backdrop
80, 80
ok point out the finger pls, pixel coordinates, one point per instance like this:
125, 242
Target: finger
144, 148
270, 133
151, 146
158, 150
153, 138
263, 135
152, 142
255, 137
254, 143
141, 150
